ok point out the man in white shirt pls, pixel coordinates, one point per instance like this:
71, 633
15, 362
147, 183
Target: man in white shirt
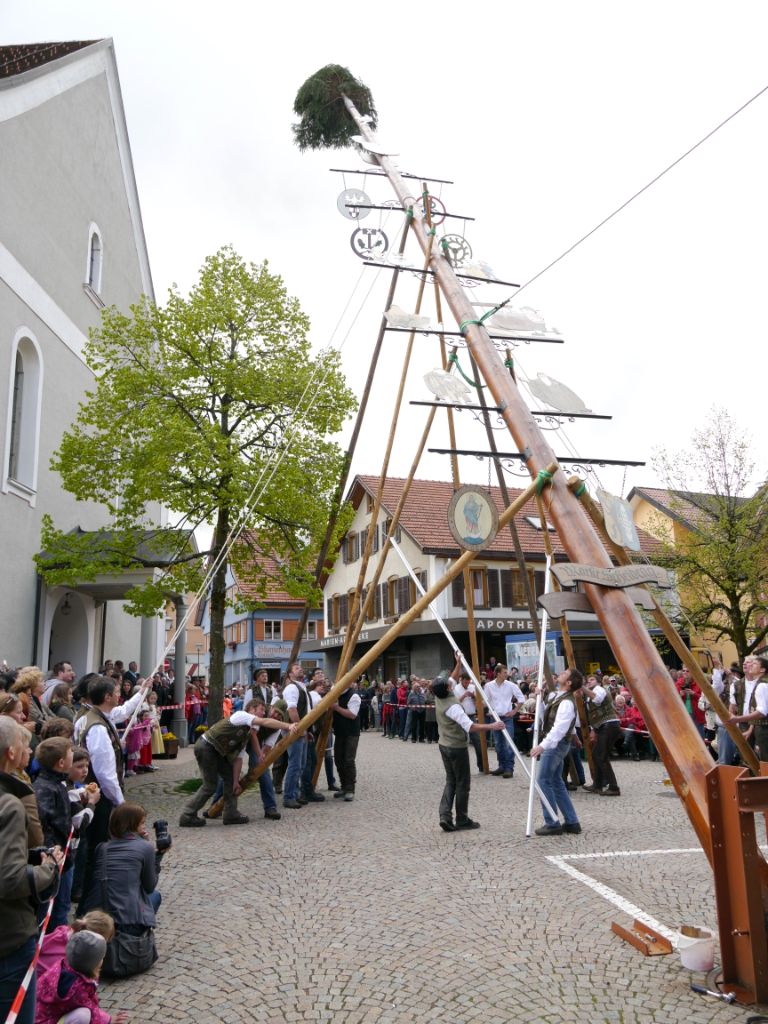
558, 725
96, 731
504, 697
748, 698
604, 733
464, 692
306, 788
454, 726
297, 700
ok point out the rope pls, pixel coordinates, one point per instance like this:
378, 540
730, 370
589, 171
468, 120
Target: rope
454, 358
637, 194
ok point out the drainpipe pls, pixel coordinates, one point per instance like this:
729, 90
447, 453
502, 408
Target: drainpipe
252, 648
36, 627
103, 642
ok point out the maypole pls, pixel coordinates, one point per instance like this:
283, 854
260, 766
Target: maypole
330, 105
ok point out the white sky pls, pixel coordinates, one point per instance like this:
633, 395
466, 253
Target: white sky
546, 116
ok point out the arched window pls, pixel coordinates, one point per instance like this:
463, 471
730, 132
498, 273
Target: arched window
23, 417
95, 259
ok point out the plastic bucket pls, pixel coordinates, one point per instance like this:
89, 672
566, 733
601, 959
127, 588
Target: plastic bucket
697, 948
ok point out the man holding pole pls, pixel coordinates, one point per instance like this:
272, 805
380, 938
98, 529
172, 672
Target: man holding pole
504, 697
558, 725
454, 727
297, 699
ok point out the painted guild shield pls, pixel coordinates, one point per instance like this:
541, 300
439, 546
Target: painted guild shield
618, 521
472, 518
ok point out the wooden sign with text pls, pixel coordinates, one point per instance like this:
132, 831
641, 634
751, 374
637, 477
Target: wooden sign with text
557, 604
570, 573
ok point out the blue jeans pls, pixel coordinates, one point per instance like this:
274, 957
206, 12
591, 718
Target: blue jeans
266, 786
727, 751
297, 759
12, 970
155, 899
63, 899
550, 779
504, 752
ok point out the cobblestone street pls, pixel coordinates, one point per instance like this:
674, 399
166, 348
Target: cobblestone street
367, 912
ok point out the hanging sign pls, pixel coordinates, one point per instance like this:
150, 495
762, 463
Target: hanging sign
346, 203
369, 243
459, 250
472, 518
570, 573
618, 520
559, 396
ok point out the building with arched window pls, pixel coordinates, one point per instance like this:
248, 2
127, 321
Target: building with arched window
71, 242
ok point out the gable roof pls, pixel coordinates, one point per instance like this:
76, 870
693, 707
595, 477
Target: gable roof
691, 508
266, 566
425, 519
21, 57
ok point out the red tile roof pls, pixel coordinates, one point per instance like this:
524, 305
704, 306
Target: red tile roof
21, 57
425, 518
270, 570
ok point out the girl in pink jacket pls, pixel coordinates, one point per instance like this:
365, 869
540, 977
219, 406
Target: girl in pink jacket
68, 992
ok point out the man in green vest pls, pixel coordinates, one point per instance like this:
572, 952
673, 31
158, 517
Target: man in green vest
454, 727
218, 753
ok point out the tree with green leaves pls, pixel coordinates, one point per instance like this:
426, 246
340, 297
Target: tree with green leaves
718, 545
214, 408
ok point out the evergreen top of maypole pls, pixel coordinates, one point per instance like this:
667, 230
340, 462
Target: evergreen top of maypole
325, 121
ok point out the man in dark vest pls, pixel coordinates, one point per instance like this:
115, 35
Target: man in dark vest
96, 731
296, 697
749, 701
604, 733
453, 728
557, 728
218, 753
346, 735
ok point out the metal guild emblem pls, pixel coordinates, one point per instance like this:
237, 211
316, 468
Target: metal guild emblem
618, 520
459, 251
346, 203
559, 396
369, 243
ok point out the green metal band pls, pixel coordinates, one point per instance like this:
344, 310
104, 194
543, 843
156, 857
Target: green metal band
578, 491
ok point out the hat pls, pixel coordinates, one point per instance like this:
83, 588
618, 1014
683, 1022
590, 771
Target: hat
85, 952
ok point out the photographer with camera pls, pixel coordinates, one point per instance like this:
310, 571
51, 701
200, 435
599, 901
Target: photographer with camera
21, 886
125, 885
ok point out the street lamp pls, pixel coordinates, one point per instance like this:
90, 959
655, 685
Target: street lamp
197, 646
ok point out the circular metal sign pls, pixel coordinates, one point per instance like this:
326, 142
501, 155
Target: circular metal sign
369, 243
347, 203
472, 518
459, 249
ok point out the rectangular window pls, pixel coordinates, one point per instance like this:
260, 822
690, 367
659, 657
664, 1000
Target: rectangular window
388, 527
329, 614
457, 592
369, 503
336, 611
310, 630
273, 629
375, 545
343, 611
479, 588
377, 603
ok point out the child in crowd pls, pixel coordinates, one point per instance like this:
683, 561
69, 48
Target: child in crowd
54, 756
139, 736
55, 942
83, 799
157, 745
68, 992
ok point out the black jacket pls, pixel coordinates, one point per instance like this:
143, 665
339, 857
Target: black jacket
54, 806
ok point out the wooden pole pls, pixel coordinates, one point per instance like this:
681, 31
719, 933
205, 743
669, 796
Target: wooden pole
379, 647
679, 744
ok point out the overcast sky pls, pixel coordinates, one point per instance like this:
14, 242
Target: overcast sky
546, 116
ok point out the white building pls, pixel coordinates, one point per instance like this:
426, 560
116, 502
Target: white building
71, 242
502, 620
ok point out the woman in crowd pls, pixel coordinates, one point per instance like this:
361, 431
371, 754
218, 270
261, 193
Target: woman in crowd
31, 682
10, 705
125, 877
61, 702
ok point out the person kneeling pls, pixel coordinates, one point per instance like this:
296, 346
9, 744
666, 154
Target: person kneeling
219, 755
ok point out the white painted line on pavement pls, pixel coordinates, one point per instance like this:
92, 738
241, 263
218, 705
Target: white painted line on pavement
610, 894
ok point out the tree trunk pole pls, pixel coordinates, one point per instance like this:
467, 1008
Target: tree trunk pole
682, 749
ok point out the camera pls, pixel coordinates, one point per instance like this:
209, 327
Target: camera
163, 838
36, 854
